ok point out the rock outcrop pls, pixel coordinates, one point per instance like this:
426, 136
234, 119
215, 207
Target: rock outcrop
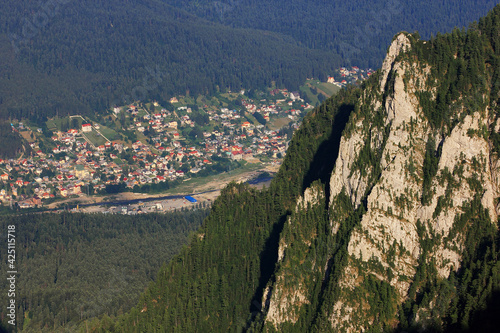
413, 180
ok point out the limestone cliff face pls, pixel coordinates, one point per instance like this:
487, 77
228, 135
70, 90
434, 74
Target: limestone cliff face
394, 208
385, 155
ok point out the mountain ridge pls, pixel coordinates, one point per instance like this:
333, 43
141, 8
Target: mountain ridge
415, 226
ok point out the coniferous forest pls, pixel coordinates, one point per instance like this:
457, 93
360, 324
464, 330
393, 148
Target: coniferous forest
356, 30
76, 267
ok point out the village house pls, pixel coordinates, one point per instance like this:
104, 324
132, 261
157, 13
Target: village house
86, 128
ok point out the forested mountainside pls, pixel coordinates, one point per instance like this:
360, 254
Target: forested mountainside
75, 267
79, 57
383, 216
358, 30
12, 143
86, 55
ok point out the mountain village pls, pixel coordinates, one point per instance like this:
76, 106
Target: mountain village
154, 145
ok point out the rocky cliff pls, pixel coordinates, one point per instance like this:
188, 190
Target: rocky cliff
413, 179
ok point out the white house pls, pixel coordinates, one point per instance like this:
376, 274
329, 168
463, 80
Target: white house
86, 128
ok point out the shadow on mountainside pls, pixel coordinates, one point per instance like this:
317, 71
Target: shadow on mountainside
321, 168
324, 160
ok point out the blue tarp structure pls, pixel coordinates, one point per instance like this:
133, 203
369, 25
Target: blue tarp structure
191, 199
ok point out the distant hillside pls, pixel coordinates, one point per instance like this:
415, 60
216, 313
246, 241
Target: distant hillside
80, 266
358, 30
87, 55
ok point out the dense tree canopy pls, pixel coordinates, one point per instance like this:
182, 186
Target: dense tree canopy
74, 267
357, 30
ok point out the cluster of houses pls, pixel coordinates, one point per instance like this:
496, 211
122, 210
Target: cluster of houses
231, 133
345, 76
75, 166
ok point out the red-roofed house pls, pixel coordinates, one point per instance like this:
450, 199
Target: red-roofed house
86, 128
237, 155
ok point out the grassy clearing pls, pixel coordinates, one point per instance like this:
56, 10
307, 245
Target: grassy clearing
141, 113
251, 119
313, 88
279, 123
54, 124
109, 133
201, 100
51, 125
312, 97
95, 138
141, 137
327, 89
27, 136
194, 185
185, 100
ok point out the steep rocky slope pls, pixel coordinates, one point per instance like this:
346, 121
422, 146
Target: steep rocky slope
408, 193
